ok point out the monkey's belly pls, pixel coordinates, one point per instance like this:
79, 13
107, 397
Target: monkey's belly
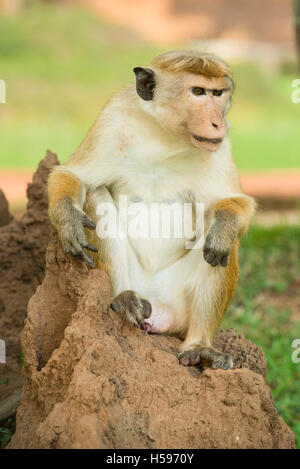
161, 318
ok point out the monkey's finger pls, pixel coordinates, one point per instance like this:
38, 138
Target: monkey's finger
87, 223
86, 257
136, 314
137, 317
90, 247
131, 317
72, 248
81, 255
215, 261
224, 260
147, 308
205, 251
81, 240
208, 255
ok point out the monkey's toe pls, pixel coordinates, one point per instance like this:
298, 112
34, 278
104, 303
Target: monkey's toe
223, 361
190, 357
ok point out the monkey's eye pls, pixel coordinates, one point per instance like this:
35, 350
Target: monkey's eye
198, 91
217, 92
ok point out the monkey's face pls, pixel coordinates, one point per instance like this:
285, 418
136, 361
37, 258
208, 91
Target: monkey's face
188, 105
205, 102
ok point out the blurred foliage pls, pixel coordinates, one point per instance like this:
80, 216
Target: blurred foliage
7, 429
5, 436
61, 64
270, 262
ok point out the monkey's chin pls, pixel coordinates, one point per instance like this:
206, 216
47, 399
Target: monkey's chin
205, 143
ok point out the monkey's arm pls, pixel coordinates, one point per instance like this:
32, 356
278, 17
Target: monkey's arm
66, 195
88, 168
231, 218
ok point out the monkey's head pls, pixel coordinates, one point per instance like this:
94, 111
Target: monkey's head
189, 94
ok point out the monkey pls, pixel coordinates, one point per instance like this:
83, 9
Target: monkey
162, 138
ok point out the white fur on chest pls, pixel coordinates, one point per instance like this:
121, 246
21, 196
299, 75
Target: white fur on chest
185, 177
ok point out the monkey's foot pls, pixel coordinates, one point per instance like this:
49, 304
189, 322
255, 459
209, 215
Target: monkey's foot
132, 308
207, 357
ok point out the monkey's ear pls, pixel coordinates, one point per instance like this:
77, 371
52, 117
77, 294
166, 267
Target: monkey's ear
145, 82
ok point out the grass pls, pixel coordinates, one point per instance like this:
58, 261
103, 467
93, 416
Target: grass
61, 65
269, 262
6, 427
5, 436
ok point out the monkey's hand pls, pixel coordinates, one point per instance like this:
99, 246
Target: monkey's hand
131, 307
220, 238
70, 222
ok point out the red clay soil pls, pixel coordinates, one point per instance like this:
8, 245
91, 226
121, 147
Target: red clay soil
23, 243
5, 215
92, 381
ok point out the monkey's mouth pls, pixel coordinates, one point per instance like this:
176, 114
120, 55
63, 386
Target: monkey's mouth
207, 140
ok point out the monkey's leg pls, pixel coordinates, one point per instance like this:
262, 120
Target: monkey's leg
114, 254
231, 219
209, 297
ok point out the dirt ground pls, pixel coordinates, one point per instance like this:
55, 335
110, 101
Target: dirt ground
22, 267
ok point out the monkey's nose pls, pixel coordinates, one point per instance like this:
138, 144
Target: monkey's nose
215, 125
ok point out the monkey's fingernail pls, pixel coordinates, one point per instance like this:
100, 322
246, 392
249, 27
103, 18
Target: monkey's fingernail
90, 247
224, 261
87, 258
88, 223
